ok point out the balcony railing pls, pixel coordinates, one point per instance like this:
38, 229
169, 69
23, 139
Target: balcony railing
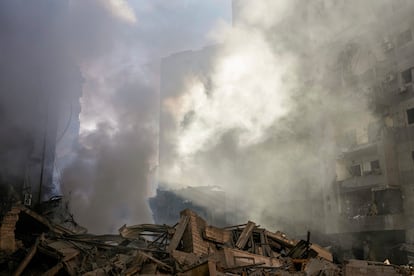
372, 223
365, 181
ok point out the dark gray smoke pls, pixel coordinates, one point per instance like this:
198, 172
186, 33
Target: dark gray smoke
119, 47
58, 56
38, 76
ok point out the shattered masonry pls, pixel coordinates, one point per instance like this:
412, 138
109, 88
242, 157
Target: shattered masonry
31, 244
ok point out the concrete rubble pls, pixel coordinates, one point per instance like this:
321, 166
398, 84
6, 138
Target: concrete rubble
33, 244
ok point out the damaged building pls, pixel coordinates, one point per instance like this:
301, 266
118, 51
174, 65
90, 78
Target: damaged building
209, 202
372, 195
39, 107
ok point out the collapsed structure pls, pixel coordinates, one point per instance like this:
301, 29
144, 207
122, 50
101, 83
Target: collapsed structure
33, 244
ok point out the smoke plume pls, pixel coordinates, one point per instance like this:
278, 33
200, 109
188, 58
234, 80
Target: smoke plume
262, 122
119, 45
99, 58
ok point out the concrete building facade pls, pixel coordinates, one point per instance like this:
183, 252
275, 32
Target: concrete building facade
372, 197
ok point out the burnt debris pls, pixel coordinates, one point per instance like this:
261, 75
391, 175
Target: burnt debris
35, 244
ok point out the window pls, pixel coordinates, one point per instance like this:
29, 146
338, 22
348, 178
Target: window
375, 167
406, 76
371, 167
410, 116
356, 170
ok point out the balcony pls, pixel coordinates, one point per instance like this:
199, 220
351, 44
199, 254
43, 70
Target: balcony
372, 223
361, 182
370, 148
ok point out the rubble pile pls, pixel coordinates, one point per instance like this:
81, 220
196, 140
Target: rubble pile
31, 244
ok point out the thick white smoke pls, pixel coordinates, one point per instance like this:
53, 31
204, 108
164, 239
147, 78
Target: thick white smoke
118, 45
264, 125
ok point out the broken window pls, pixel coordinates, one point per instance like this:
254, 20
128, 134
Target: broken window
356, 170
375, 167
404, 37
406, 76
388, 201
410, 116
371, 167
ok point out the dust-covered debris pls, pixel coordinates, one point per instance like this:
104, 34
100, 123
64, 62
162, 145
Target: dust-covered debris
32, 244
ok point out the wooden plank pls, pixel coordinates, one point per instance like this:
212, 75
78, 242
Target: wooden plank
267, 251
245, 235
45, 222
322, 252
157, 261
136, 265
217, 235
54, 270
281, 239
27, 259
201, 269
212, 269
235, 257
179, 231
184, 258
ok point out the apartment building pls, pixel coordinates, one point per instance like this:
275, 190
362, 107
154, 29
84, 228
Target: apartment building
372, 199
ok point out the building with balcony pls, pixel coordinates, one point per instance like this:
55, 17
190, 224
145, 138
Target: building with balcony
374, 188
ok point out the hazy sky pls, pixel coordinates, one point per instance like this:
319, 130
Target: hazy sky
178, 24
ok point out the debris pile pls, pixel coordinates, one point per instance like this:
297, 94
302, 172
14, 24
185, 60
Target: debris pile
31, 244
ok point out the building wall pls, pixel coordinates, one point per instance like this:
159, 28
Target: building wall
38, 78
392, 189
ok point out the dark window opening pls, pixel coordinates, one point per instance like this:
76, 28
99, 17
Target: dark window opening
406, 76
356, 204
410, 116
412, 155
356, 170
388, 201
375, 167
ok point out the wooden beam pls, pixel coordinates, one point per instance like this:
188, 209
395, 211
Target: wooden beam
212, 268
281, 239
27, 259
216, 235
44, 221
245, 235
157, 261
136, 265
179, 231
54, 270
